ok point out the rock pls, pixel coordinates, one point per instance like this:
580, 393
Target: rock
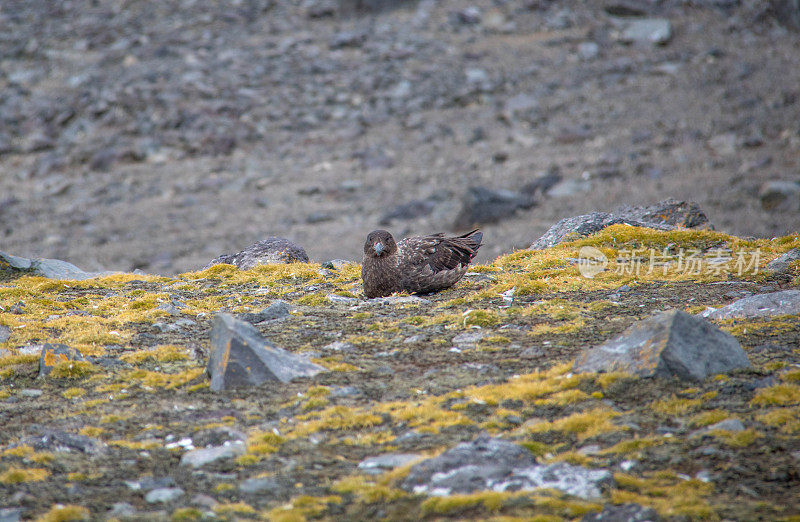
570, 187
121, 509
588, 50
685, 214
396, 300
780, 196
623, 513
277, 310
264, 252
163, 495
54, 354
587, 224
321, 8
665, 215
724, 144
521, 106
411, 210
50, 268
727, 425
5, 333
389, 461
10, 514
468, 338
198, 458
31, 393
498, 465
149, 483
779, 264
241, 357
481, 205
339, 346
544, 182
347, 39
58, 441
341, 299
761, 305
657, 31
259, 485
669, 343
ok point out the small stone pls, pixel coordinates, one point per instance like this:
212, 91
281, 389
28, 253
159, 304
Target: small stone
198, 458
259, 485
657, 31
779, 264
241, 357
54, 354
727, 425
669, 343
5, 333
724, 144
588, 50
381, 463
277, 310
204, 501
468, 338
163, 495
623, 513
340, 299
32, 393
339, 346
121, 509
10, 514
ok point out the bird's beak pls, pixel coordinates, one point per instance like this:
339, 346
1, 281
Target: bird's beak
378, 247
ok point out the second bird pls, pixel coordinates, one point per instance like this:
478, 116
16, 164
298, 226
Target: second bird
417, 265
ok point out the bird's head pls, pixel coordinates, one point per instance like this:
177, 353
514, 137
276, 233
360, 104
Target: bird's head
379, 243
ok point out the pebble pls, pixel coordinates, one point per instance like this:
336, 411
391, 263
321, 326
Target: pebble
163, 495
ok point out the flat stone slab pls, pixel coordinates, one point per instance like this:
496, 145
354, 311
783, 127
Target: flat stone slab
198, 458
785, 302
669, 343
50, 268
497, 465
782, 262
240, 356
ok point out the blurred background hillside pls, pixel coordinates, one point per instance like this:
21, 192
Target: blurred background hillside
158, 135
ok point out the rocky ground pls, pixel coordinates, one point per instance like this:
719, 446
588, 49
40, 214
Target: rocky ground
422, 401
159, 136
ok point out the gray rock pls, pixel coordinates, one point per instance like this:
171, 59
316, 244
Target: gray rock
780, 196
339, 346
468, 338
59, 441
259, 485
482, 205
724, 144
32, 393
623, 513
217, 436
498, 465
669, 343
264, 252
50, 268
397, 300
381, 463
241, 357
727, 425
198, 458
5, 333
779, 264
121, 509
163, 495
54, 354
760, 305
648, 30
570, 187
340, 299
10, 514
277, 310
588, 50
665, 215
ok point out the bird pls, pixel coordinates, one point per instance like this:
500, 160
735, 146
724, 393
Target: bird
417, 265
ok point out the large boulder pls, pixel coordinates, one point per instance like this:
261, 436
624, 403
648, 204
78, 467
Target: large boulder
50, 268
241, 357
669, 343
665, 215
785, 302
264, 252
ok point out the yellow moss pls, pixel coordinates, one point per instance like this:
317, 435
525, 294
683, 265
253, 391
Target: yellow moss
563, 398
482, 318
71, 393
73, 370
164, 353
791, 376
524, 387
571, 457
134, 445
248, 460
152, 381
5, 394
626, 447
14, 475
42, 457
706, 418
68, 513
583, 425
334, 364
369, 439
301, 507
604, 380
491, 501
334, 418
427, 415
318, 391
316, 299
264, 443
186, 514
667, 493
675, 406
736, 439
787, 420
497, 339
560, 503
778, 395
224, 487
234, 508
365, 490
23, 450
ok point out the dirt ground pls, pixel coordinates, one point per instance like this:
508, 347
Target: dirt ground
158, 137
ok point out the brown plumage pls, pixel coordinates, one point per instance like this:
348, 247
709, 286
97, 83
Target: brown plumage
418, 265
